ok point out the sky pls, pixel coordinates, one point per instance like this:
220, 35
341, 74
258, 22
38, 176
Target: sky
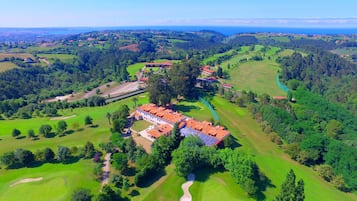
107, 13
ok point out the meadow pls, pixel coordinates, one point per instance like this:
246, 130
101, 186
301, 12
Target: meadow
5, 66
62, 57
16, 55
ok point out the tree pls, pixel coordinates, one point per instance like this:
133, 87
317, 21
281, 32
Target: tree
108, 194
8, 159
339, 183
159, 90
48, 154
162, 149
187, 157
183, 78
82, 195
61, 126
326, 172
120, 161
63, 153
176, 136
219, 72
334, 128
108, 115
16, 132
119, 125
45, 130
88, 120
242, 168
88, 150
290, 191
24, 157
31, 133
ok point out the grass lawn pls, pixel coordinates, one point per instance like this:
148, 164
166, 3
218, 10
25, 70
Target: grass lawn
256, 76
212, 186
140, 125
95, 135
272, 161
5, 66
61, 57
216, 56
16, 55
167, 188
59, 181
134, 68
196, 110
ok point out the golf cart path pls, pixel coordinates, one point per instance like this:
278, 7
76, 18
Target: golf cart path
185, 187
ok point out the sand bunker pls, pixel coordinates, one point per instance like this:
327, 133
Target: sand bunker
62, 118
28, 180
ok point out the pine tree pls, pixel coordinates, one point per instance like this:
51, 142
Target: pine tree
290, 191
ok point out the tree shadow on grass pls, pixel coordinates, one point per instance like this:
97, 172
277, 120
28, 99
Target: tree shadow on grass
94, 126
263, 183
153, 179
203, 174
185, 108
69, 132
129, 171
134, 193
20, 137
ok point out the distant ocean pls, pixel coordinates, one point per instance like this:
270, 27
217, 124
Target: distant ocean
222, 29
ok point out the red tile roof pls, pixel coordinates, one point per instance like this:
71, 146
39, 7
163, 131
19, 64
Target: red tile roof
279, 97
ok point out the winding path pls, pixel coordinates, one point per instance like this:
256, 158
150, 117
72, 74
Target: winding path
106, 170
185, 187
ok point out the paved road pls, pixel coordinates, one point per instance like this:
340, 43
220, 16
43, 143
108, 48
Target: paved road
106, 170
186, 193
122, 89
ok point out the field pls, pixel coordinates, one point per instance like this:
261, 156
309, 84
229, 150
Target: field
272, 161
256, 76
167, 188
134, 68
96, 135
5, 66
16, 55
62, 57
194, 109
59, 181
140, 125
211, 186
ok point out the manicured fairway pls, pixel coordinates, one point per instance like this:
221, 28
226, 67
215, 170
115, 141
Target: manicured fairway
59, 182
271, 160
194, 109
212, 186
95, 135
167, 188
256, 76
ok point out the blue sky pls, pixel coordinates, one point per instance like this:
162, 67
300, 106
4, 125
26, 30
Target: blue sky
281, 13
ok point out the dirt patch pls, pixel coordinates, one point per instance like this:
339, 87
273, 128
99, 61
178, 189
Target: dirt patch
143, 142
28, 180
62, 118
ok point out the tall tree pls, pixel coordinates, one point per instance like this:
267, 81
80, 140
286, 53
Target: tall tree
159, 89
183, 77
290, 191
